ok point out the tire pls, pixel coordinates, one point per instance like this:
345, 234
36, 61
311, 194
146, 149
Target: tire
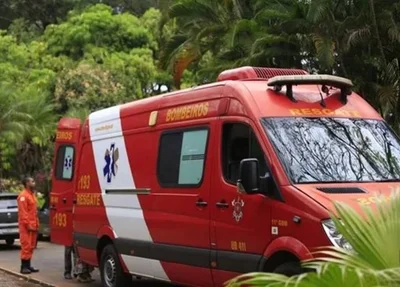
112, 274
10, 241
289, 269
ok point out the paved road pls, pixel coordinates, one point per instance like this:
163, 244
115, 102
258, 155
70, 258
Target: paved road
49, 258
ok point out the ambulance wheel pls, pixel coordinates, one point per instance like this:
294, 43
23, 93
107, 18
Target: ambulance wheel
10, 241
112, 274
289, 269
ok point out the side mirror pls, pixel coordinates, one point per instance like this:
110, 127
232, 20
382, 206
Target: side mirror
389, 118
249, 176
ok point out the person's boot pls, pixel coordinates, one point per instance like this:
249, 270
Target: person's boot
24, 267
82, 278
33, 270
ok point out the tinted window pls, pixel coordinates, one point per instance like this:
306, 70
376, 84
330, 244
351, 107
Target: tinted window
239, 142
335, 149
181, 157
65, 163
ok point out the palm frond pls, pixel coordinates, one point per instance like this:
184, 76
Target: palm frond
389, 24
267, 41
358, 37
172, 48
243, 27
325, 50
195, 10
183, 60
374, 233
319, 10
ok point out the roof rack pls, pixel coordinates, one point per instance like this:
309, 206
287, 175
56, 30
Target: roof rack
343, 84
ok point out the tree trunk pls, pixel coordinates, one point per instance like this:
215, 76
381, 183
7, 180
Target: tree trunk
376, 32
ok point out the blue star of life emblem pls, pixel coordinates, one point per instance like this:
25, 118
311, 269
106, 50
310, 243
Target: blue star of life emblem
68, 162
111, 158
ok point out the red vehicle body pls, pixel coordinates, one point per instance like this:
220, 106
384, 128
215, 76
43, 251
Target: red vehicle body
150, 188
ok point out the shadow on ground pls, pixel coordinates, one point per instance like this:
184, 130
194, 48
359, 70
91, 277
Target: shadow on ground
49, 258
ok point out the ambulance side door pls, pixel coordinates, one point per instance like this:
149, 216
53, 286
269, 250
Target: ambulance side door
180, 220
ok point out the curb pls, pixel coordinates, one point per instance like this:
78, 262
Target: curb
27, 278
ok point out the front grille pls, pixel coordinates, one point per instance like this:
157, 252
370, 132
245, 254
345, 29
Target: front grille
8, 217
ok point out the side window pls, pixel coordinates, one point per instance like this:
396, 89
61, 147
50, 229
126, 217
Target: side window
181, 158
239, 142
65, 162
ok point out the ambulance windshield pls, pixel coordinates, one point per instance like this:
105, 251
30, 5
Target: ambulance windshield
335, 149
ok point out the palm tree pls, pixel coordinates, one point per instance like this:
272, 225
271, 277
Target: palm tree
27, 122
13, 121
375, 260
13, 124
235, 33
32, 152
201, 26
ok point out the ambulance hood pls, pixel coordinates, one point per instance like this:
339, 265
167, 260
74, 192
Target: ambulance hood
356, 195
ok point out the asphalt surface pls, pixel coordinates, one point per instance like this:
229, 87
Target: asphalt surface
49, 259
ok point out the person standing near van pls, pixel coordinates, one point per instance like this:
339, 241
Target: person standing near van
28, 223
69, 257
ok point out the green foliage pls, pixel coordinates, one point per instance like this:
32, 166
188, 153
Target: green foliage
97, 27
39, 12
375, 260
26, 120
56, 61
23, 31
11, 185
86, 86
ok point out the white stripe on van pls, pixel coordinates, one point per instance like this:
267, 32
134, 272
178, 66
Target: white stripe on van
123, 210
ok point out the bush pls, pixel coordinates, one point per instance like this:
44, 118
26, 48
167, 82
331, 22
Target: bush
11, 185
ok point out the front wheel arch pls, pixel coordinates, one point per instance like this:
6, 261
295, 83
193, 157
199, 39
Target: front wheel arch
277, 259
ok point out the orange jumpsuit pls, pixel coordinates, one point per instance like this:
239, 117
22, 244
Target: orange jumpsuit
28, 223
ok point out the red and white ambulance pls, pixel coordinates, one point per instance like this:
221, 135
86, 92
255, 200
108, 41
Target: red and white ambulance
200, 185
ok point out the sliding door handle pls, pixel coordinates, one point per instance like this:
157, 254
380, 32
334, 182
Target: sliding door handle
222, 204
201, 203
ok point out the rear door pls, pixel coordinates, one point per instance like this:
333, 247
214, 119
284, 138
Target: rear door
62, 192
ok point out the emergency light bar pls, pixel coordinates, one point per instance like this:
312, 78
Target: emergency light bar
343, 84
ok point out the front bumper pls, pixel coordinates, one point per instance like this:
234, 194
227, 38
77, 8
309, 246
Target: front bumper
9, 232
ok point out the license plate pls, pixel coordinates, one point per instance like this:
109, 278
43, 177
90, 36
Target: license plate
8, 230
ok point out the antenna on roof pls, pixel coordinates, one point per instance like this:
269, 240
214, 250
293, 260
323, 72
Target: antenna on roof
343, 84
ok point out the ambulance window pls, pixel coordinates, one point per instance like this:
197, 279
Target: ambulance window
181, 158
65, 163
239, 142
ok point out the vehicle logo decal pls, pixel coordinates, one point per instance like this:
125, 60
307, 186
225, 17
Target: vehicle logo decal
68, 162
237, 209
111, 158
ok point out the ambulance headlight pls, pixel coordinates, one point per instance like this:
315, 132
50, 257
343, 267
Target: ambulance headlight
335, 236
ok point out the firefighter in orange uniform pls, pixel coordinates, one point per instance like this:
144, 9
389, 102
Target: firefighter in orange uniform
28, 224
